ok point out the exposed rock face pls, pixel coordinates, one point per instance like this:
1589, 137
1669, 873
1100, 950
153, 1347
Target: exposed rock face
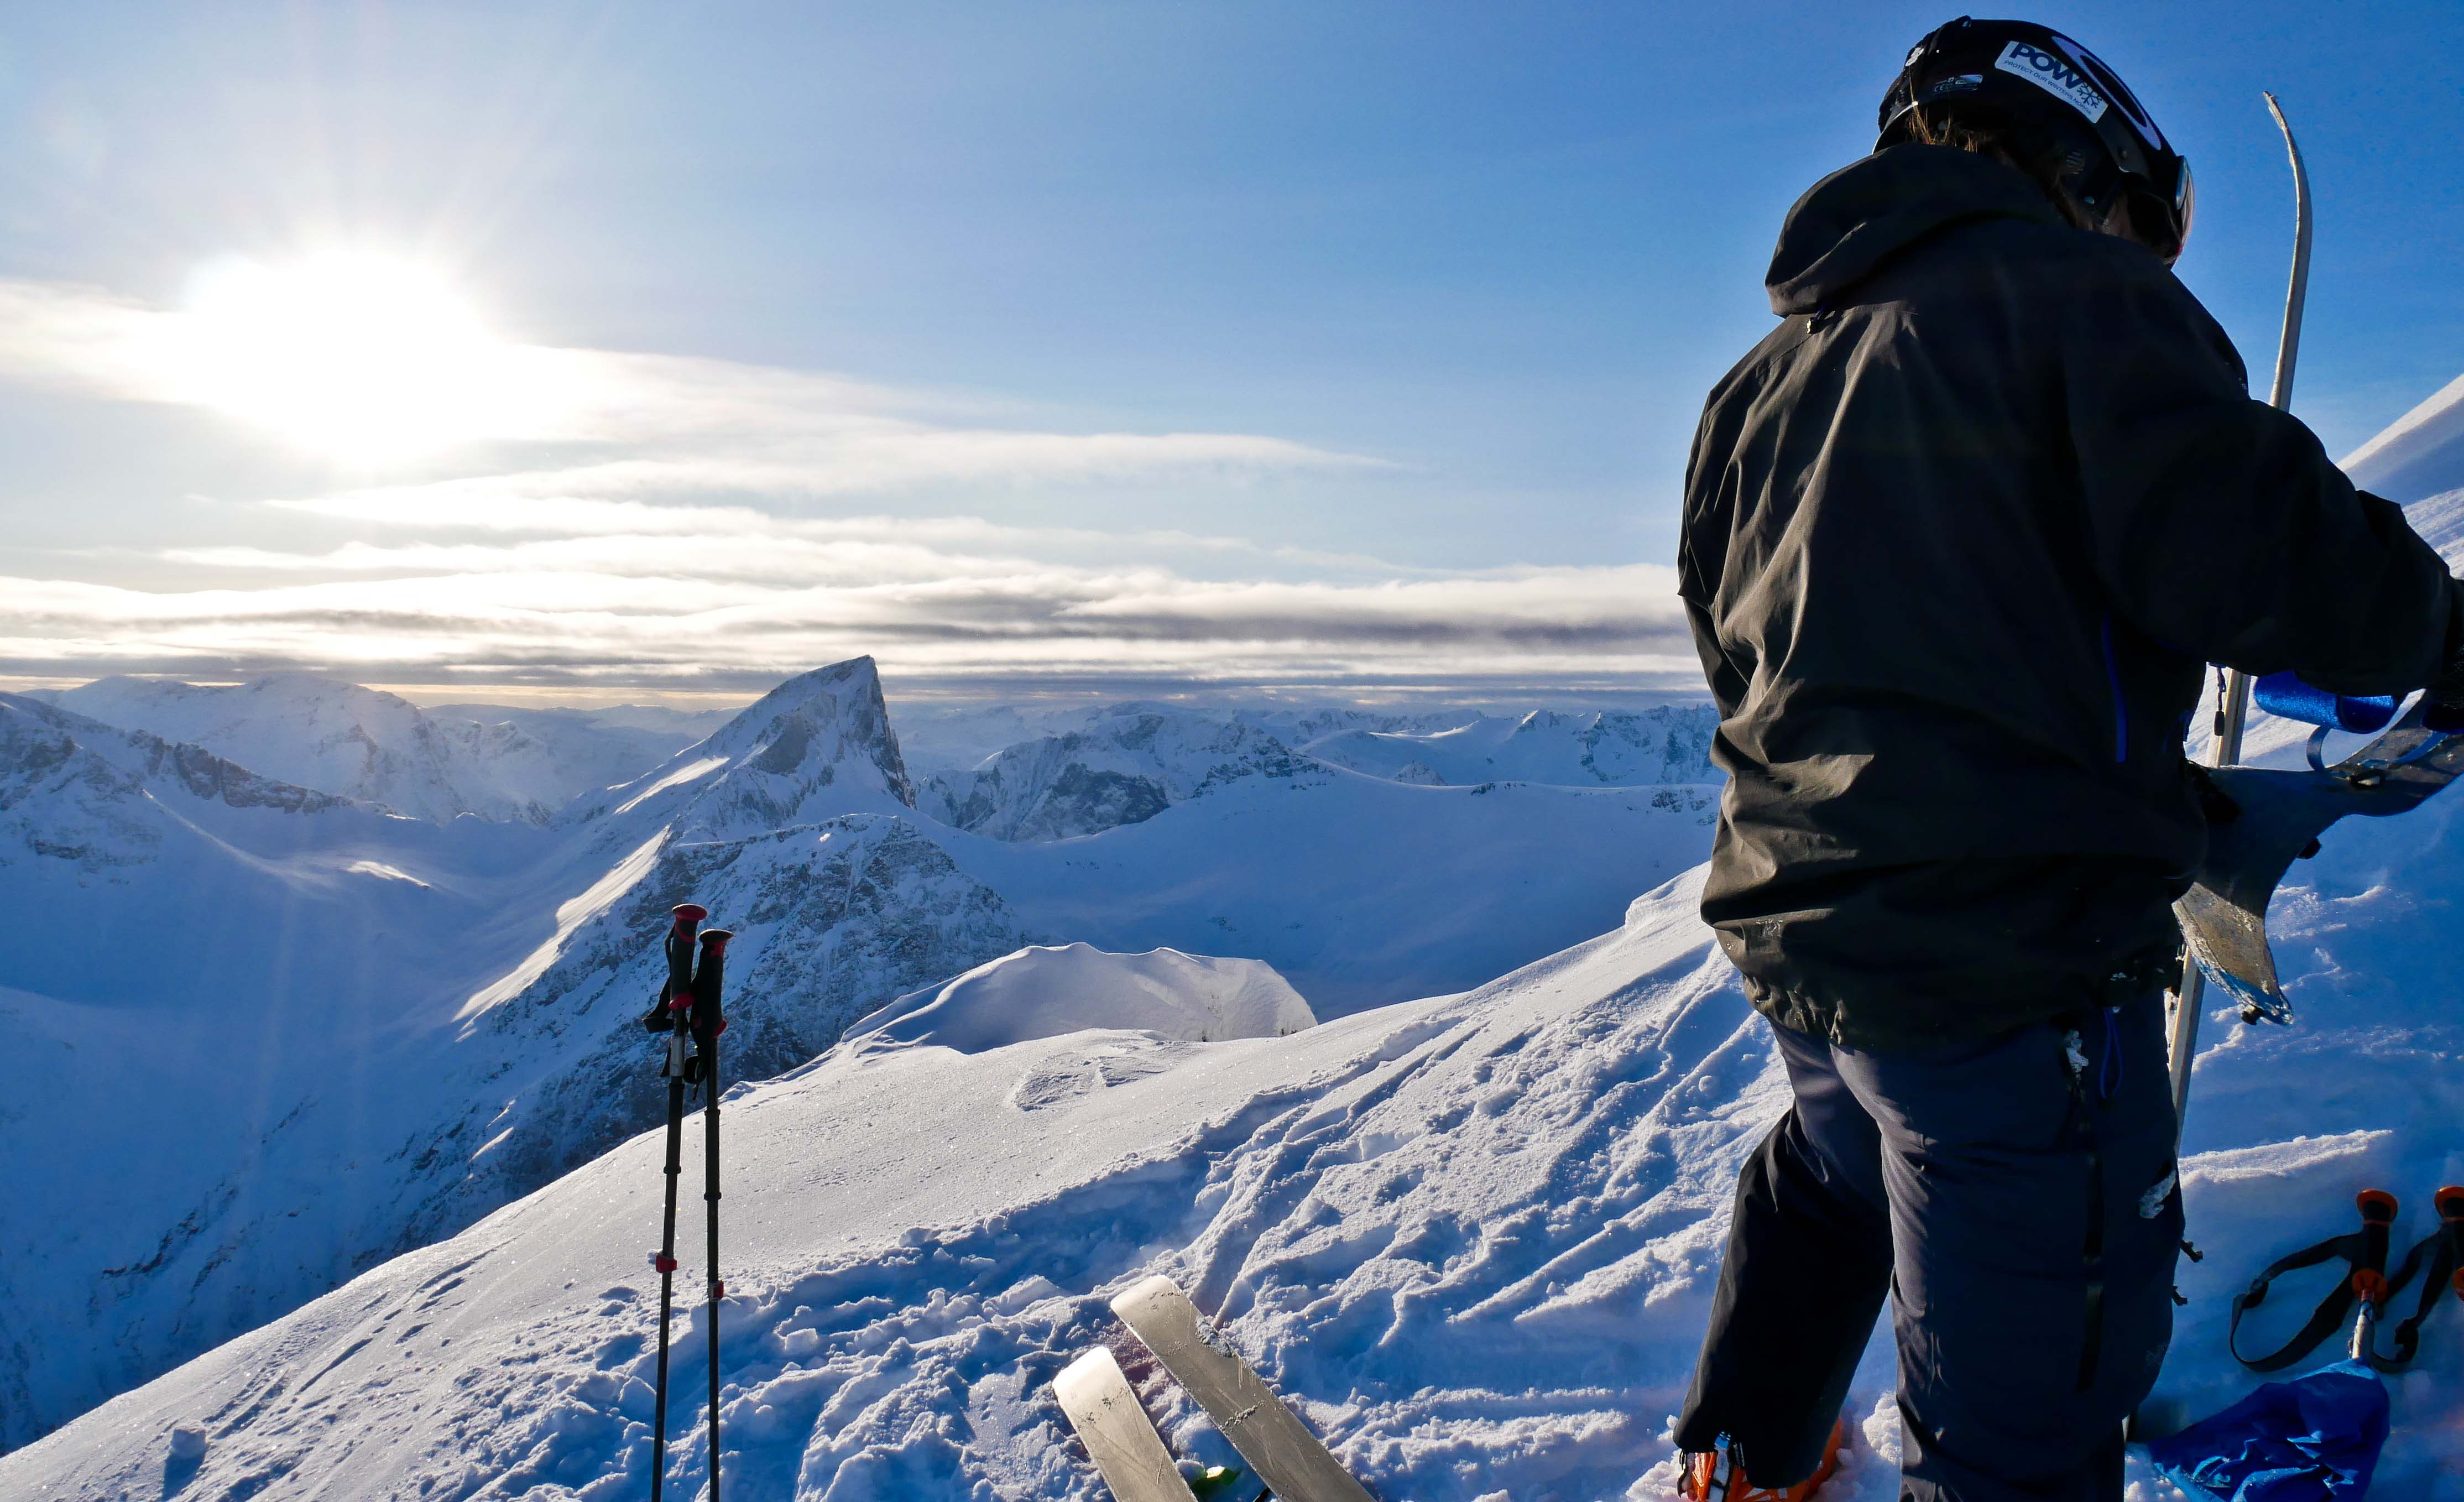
78, 791
818, 745
831, 921
1129, 765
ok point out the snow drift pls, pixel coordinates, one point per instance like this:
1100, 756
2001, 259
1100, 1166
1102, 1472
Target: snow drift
1044, 992
2419, 454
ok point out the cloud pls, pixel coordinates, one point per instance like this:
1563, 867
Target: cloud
663, 541
654, 611
686, 425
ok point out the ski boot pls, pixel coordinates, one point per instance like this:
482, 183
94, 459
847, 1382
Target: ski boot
1716, 1476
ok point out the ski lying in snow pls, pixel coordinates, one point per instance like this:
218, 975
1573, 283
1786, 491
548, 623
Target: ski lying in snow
1105, 1410
2277, 819
1280, 1449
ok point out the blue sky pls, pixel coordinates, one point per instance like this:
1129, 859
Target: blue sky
1429, 293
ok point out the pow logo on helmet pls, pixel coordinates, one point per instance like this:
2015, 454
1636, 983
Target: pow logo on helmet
2056, 75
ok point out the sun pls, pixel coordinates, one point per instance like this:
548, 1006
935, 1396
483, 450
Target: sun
364, 357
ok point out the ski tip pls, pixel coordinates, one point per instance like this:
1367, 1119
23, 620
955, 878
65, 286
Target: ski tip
1097, 1371
1146, 1294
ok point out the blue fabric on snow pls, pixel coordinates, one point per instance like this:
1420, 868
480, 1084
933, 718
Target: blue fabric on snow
2308, 1440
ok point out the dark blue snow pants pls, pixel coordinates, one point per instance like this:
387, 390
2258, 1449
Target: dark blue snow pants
2015, 1197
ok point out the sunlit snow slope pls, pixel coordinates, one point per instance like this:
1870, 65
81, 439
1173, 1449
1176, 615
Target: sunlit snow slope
1472, 1237
2420, 454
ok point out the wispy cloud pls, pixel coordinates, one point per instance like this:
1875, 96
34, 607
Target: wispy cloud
678, 551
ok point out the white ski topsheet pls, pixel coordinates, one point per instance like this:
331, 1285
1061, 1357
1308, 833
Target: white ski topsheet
1122, 1442
1472, 1238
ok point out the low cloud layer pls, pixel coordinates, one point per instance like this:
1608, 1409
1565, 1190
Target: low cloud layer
666, 542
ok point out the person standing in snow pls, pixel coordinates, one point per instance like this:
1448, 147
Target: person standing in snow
1959, 537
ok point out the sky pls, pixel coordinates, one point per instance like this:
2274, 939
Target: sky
560, 353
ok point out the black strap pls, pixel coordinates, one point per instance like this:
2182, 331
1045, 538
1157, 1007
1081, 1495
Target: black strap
2443, 1250
2324, 1320
2365, 1252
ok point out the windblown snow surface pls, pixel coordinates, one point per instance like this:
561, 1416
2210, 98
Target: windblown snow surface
1472, 1238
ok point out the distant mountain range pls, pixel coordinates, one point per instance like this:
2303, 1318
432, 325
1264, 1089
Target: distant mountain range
294, 1024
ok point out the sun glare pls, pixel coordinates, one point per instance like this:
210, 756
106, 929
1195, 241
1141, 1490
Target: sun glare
364, 358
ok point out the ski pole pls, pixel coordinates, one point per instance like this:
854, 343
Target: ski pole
709, 1021
673, 997
2232, 710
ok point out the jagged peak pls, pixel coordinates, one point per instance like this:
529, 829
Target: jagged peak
825, 729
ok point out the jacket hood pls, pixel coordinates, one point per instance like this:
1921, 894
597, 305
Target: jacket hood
1850, 223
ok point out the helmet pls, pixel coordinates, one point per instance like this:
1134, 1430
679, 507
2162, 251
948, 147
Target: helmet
2063, 104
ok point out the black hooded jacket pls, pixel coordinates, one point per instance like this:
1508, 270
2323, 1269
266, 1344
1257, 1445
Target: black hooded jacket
1960, 537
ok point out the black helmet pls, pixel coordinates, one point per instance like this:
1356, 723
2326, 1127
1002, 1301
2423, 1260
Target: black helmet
2064, 105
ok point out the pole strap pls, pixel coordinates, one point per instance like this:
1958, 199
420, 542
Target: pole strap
2440, 1257
2364, 1253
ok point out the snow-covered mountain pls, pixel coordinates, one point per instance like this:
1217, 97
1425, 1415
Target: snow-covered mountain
405, 1024
817, 746
1360, 890
1473, 1239
2420, 454
353, 1031
1130, 763
596, 748
1620, 748
445, 1014
361, 743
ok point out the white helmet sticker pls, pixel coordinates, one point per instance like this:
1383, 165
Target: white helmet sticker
2056, 75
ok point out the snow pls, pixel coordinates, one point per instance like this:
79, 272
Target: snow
1046, 991
2419, 454
373, 1029
1671, 743
1468, 1224
1472, 1237
342, 739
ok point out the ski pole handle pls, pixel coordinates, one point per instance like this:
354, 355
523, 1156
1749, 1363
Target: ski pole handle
678, 985
708, 1021
680, 949
2378, 1209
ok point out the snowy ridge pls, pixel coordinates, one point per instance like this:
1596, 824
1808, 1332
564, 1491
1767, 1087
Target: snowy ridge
596, 748
1665, 744
2419, 454
1044, 992
1130, 762
342, 739
817, 746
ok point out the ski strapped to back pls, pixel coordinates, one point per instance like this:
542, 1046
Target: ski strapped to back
1295, 1465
